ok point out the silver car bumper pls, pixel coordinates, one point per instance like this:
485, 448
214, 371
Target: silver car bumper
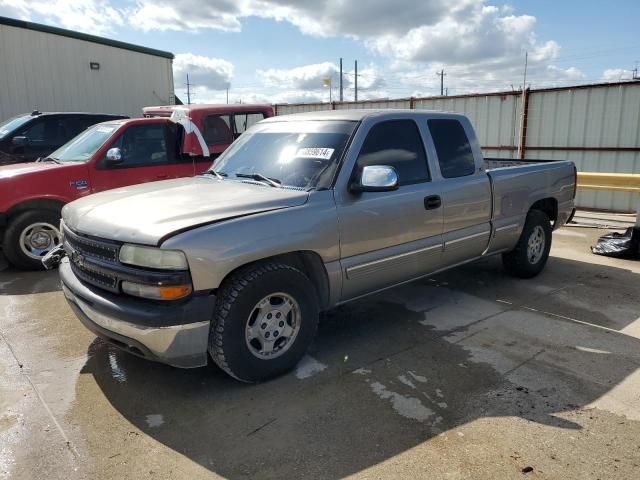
136, 329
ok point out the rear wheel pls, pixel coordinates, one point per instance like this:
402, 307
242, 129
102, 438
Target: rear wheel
530, 254
30, 236
265, 318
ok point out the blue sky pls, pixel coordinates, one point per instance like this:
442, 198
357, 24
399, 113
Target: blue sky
282, 50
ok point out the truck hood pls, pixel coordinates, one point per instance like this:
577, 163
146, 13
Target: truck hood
149, 212
13, 170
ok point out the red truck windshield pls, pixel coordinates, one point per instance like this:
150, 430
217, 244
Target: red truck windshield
85, 145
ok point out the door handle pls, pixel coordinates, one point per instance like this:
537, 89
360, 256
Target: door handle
432, 202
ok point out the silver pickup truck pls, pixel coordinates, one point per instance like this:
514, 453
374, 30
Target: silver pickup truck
302, 213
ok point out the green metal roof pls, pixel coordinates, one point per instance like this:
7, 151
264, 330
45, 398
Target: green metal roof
12, 22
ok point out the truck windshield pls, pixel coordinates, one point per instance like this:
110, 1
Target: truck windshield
302, 154
82, 147
10, 125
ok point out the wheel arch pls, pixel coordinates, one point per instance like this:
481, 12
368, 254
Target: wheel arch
53, 204
549, 206
308, 262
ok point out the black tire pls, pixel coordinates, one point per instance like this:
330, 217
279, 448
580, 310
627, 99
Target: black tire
517, 262
11, 241
235, 302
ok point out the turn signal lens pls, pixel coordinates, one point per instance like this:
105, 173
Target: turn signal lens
173, 292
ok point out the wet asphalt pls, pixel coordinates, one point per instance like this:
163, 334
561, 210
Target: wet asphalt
469, 374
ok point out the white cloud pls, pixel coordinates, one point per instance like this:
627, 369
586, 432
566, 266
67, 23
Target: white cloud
206, 72
321, 18
90, 16
616, 75
307, 77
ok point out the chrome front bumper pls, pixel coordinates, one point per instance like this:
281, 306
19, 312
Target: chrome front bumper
175, 335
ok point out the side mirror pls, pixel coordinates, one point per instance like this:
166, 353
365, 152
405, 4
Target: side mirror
114, 155
20, 141
376, 178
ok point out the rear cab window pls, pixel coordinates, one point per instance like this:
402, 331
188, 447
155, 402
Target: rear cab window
455, 156
243, 121
217, 129
398, 144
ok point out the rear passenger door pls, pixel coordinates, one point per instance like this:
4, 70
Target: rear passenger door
465, 192
389, 237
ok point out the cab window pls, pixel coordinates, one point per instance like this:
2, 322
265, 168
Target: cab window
143, 145
245, 120
398, 144
452, 146
217, 130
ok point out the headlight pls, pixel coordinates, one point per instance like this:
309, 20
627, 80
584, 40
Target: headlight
152, 257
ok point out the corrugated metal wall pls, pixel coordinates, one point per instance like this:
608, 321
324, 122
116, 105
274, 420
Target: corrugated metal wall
592, 127
51, 73
595, 126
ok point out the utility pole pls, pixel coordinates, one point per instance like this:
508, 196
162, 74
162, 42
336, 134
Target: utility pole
356, 81
227, 95
341, 97
442, 74
188, 91
522, 106
635, 76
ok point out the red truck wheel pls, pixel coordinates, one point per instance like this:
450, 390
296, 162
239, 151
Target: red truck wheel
30, 236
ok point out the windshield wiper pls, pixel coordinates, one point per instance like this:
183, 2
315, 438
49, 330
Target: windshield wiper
219, 175
274, 182
48, 159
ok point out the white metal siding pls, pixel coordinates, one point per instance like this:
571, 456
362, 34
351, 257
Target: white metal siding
50, 72
605, 116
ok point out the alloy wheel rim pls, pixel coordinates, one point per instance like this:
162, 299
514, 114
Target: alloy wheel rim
272, 326
535, 245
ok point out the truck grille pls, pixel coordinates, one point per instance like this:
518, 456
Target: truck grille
80, 249
90, 247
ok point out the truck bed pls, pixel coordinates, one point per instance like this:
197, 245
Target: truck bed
494, 163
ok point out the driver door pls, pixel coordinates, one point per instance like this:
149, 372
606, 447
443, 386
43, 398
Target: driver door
390, 237
145, 158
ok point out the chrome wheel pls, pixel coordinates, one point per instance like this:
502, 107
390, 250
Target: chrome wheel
37, 239
272, 326
536, 245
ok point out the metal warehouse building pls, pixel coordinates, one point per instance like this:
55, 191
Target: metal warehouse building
51, 69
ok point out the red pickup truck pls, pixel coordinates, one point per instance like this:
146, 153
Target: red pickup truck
170, 142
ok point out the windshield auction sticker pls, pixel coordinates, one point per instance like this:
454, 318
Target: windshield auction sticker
315, 152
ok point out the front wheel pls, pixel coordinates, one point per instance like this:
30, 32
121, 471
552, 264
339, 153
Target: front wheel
530, 254
265, 318
30, 236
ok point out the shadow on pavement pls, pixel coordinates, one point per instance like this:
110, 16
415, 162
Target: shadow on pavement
394, 378
21, 282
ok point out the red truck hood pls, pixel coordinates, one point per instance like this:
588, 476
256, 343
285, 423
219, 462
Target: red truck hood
41, 180
148, 212
7, 171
